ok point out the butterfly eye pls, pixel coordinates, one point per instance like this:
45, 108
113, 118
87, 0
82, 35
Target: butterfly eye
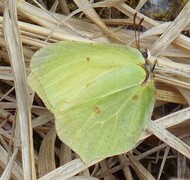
144, 54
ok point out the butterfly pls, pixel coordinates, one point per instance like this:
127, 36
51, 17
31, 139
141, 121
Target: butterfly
102, 95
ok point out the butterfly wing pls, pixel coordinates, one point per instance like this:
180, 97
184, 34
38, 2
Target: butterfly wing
96, 93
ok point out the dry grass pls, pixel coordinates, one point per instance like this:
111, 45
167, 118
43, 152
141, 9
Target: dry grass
23, 156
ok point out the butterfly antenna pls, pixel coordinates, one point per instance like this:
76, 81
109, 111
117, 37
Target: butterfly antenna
135, 28
139, 30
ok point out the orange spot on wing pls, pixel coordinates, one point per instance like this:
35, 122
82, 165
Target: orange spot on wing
135, 97
97, 110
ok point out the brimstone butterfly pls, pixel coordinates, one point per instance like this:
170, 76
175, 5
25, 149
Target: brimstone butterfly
99, 94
